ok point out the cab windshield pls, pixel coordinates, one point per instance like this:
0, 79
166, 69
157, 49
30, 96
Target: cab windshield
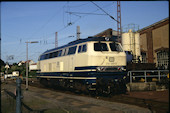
100, 47
103, 47
115, 47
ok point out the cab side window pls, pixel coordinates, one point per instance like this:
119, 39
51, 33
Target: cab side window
72, 50
82, 48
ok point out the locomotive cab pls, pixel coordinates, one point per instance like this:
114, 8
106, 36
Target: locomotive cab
107, 56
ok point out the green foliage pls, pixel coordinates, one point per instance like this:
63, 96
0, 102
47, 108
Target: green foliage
2, 69
21, 69
15, 67
32, 73
2, 63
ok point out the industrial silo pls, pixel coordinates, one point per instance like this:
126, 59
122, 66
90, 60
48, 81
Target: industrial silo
131, 43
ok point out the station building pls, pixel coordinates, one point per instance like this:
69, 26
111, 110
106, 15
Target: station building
154, 43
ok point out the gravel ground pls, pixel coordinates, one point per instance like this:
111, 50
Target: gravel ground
57, 102
162, 95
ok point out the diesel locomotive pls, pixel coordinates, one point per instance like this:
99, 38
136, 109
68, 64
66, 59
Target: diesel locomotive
93, 64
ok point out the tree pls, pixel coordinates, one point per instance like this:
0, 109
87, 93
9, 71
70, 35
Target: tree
2, 63
32, 73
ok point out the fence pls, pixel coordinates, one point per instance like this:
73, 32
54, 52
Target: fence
147, 74
14, 103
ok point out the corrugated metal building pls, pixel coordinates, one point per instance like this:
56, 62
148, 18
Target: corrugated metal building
154, 43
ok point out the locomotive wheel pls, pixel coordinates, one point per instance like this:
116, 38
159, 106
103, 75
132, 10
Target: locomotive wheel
44, 81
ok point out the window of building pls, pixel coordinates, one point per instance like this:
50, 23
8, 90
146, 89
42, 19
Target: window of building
143, 54
163, 59
100, 47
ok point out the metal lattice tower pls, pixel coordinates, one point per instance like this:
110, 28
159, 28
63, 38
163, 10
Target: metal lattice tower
119, 30
56, 40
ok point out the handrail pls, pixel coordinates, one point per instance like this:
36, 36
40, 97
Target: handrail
143, 73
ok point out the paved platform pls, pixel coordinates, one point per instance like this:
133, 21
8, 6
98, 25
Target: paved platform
51, 101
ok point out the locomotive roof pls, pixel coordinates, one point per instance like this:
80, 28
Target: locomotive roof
82, 41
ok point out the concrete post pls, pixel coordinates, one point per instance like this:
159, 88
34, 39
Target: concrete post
130, 77
145, 77
27, 68
18, 95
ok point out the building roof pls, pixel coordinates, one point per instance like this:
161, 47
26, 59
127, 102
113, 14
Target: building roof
152, 25
107, 32
34, 64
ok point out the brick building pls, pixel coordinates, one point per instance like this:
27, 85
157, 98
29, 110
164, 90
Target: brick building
154, 42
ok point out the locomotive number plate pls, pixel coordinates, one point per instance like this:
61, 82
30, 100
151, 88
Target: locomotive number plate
111, 59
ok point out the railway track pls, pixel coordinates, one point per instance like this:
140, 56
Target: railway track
153, 105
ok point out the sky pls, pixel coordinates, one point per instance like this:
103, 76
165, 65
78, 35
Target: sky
38, 21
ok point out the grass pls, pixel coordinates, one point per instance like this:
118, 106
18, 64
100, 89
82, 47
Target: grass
8, 104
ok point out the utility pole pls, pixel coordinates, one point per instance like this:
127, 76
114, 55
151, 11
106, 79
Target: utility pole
119, 30
27, 62
18, 95
0, 34
27, 66
56, 40
78, 32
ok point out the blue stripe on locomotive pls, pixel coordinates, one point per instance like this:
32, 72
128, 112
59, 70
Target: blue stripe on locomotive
87, 77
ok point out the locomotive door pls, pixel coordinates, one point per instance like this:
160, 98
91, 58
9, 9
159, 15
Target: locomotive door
71, 53
71, 62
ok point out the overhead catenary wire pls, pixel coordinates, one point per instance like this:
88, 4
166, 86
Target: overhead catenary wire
41, 40
18, 47
21, 40
85, 13
104, 11
72, 23
59, 30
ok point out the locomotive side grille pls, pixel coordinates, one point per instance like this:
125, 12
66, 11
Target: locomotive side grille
112, 69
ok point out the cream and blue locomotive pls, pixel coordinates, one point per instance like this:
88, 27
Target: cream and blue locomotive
94, 64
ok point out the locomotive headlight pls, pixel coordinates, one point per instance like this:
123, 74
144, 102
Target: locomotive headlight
121, 68
100, 68
107, 38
